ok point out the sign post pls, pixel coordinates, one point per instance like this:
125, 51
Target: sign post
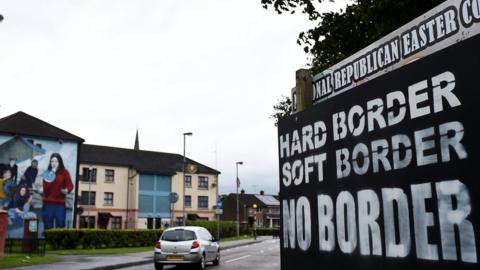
218, 212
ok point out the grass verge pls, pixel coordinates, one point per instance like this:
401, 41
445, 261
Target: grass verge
16, 260
102, 251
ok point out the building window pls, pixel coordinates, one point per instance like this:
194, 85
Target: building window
108, 198
158, 223
89, 175
87, 222
109, 175
84, 176
86, 199
153, 195
188, 201
203, 202
116, 222
202, 182
188, 181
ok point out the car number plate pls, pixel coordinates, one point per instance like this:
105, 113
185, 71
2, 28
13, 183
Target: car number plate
174, 257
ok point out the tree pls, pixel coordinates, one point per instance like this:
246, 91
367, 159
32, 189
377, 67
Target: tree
340, 34
282, 108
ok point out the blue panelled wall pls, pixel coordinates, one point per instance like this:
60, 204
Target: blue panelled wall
153, 196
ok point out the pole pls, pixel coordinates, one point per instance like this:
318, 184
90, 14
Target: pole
183, 202
218, 227
90, 170
238, 203
184, 161
303, 88
128, 197
238, 208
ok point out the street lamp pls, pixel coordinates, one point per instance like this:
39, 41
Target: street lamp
184, 161
238, 208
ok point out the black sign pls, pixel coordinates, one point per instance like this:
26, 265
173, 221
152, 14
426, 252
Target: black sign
385, 176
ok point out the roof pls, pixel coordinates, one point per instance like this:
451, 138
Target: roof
143, 161
268, 200
24, 124
260, 200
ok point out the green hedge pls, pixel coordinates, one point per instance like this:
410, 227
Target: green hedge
96, 239
227, 228
266, 231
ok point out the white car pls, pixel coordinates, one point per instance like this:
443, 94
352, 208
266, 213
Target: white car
186, 245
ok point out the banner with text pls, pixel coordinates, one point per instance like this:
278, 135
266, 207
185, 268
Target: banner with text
384, 177
451, 22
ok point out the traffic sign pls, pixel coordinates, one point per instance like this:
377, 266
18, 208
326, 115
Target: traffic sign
219, 211
219, 204
173, 197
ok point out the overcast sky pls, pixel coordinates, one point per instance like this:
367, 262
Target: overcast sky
101, 68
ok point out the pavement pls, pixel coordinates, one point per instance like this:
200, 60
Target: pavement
117, 261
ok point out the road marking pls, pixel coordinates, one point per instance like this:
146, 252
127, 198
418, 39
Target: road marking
240, 258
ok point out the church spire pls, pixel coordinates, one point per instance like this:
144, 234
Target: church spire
137, 144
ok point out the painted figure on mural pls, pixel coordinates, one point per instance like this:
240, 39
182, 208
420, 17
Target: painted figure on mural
12, 166
5, 176
3, 167
8, 188
19, 207
28, 178
56, 185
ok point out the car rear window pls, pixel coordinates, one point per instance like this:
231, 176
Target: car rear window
178, 235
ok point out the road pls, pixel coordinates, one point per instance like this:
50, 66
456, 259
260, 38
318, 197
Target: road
259, 256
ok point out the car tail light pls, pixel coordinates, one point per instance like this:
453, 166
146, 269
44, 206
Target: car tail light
158, 245
195, 244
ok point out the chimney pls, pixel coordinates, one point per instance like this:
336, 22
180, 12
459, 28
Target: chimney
262, 192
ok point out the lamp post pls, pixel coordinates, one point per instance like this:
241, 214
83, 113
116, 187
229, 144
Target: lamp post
238, 208
184, 161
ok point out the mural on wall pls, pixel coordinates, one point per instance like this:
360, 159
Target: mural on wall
37, 179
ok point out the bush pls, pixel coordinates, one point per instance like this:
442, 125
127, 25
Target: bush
266, 231
227, 228
97, 239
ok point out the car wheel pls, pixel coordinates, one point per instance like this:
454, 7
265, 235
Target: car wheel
158, 266
202, 263
217, 259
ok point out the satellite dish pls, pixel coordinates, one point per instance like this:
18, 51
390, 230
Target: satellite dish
173, 197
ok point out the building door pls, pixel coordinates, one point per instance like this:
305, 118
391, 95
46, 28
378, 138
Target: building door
149, 223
